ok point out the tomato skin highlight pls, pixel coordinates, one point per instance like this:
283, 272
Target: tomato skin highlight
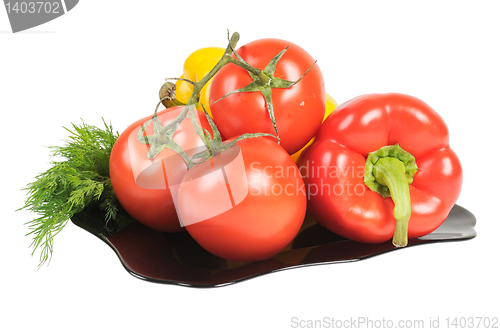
265, 220
298, 110
141, 184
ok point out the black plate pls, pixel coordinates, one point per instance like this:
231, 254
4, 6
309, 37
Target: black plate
175, 258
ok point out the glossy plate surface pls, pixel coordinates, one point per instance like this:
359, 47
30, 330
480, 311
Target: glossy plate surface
175, 258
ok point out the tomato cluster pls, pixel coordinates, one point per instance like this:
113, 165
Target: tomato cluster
245, 200
248, 202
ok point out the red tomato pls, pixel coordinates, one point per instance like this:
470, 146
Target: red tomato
245, 204
298, 110
142, 184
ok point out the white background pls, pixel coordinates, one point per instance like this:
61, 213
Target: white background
109, 58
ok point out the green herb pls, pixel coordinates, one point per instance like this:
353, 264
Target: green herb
79, 179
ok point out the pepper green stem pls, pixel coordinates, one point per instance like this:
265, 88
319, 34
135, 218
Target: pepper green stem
389, 171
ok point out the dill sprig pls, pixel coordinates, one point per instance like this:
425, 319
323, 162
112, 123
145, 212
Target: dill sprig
79, 179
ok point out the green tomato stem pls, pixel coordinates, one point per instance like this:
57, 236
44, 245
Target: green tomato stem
197, 86
259, 74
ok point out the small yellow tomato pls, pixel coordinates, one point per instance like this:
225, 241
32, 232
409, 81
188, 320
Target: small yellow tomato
198, 57
183, 90
197, 65
331, 104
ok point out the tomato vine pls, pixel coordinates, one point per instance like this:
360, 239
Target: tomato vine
263, 81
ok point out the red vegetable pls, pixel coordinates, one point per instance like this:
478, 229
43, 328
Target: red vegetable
245, 204
140, 183
298, 109
361, 171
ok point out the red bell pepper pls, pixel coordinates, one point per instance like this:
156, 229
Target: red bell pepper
381, 167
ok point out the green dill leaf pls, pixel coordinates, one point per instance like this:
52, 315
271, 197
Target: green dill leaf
79, 179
